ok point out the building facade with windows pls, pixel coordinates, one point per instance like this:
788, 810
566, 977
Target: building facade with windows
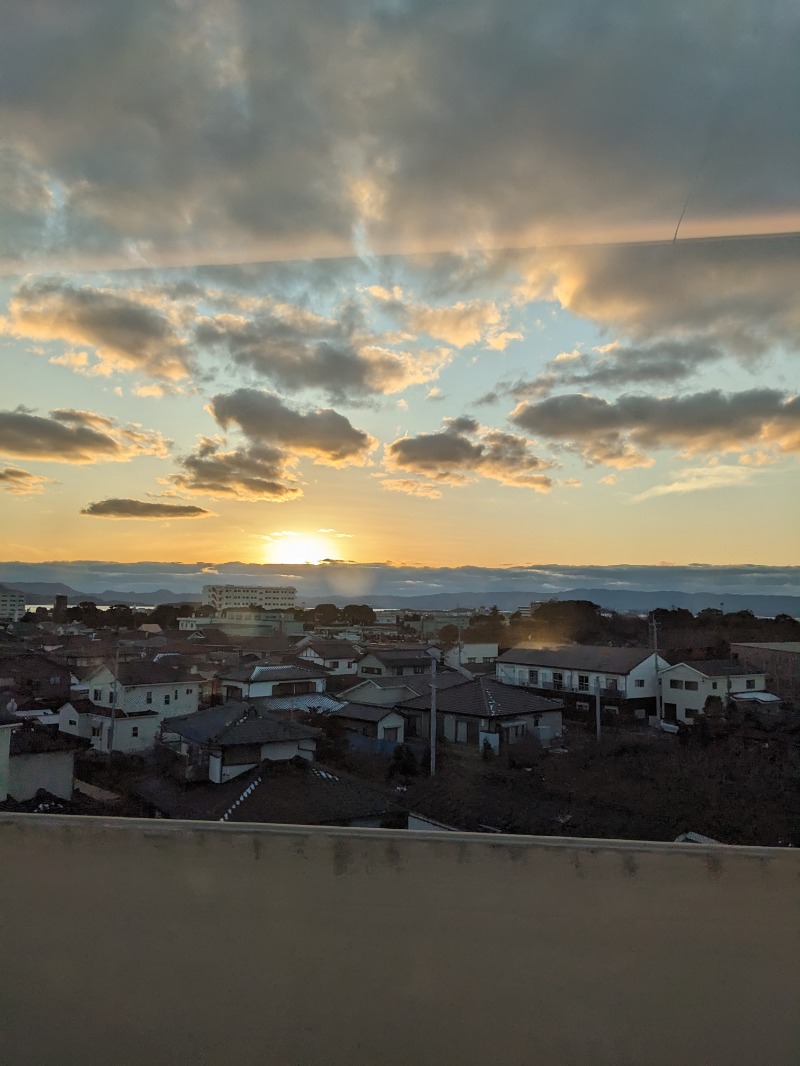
142, 687
269, 597
12, 604
625, 679
685, 687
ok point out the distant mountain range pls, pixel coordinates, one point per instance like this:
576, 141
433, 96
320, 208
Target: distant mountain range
611, 599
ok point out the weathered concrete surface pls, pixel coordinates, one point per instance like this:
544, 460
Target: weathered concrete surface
143, 943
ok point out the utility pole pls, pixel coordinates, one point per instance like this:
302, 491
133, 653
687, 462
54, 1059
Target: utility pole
113, 700
659, 702
433, 716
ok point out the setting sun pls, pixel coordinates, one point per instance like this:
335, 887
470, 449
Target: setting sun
291, 547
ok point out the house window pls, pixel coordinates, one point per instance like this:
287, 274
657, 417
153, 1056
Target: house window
149, 697
97, 695
675, 683
639, 682
612, 683
611, 710
581, 705
54, 680
166, 700
461, 732
112, 696
334, 664
176, 694
135, 731
558, 680
690, 712
750, 683
583, 682
391, 734
419, 669
73, 721
472, 660
713, 684
189, 691
533, 677
97, 731
692, 686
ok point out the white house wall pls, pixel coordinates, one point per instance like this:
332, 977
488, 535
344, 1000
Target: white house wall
626, 684
689, 703
53, 770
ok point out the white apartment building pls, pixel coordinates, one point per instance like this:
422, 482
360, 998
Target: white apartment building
269, 597
12, 604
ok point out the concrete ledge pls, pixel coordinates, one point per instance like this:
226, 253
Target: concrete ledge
172, 942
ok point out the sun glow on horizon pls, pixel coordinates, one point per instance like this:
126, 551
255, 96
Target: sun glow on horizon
297, 548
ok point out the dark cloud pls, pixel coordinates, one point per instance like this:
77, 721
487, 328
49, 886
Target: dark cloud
611, 432
124, 508
75, 437
21, 482
257, 472
615, 366
297, 349
453, 458
323, 434
245, 127
125, 330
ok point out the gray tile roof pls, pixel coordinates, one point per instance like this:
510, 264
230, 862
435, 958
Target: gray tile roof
596, 658
719, 667
484, 697
254, 672
236, 723
363, 712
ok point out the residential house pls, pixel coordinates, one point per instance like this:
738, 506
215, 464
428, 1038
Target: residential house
391, 690
369, 720
141, 686
686, 686
476, 658
34, 677
338, 657
286, 793
109, 729
485, 710
39, 759
396, 661
626, 679
779, 661
253, 680
224, 742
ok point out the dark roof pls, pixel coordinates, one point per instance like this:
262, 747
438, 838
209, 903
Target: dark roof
597, 658
419, 683
236, 723
254, 672
363, 712
719, 667
276, 792
31, 664
485, 697
38, 740
332, 649
84, 706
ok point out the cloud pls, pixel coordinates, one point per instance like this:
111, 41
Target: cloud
257, 472
75, 437
323, 434
125, 508
699, 479
614, 432
617, 365
418, 126
21, 482
125, 332
411, 487
464, 450
460, 324
296, 349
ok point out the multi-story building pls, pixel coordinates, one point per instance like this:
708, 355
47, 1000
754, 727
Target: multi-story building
625, 679
780, 661
686, 686
270, 597
12, 604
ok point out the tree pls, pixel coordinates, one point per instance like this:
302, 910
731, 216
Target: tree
326, 614
449, 633
358, 614
404, 763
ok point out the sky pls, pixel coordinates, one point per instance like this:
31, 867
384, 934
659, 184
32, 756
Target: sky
443, 284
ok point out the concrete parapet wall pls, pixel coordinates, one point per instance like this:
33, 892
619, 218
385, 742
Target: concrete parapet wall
150, 942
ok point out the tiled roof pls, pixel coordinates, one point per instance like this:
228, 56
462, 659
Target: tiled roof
597, 658
363, 712
276, 793
254, 672
333, 649
719, 667
484, 697
236, 723
38, 740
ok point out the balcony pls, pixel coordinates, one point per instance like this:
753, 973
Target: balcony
166, 943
